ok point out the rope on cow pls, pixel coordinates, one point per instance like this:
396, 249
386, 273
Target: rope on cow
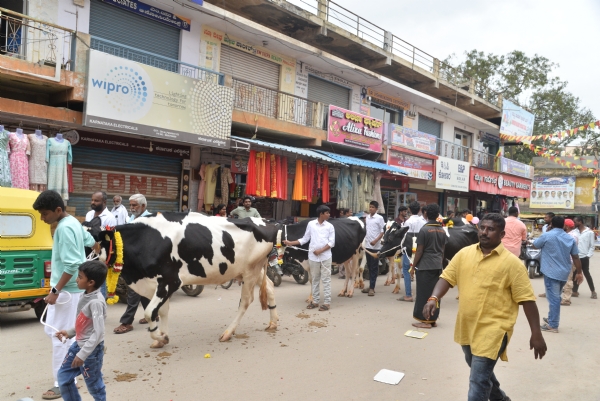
114, 271
272, 307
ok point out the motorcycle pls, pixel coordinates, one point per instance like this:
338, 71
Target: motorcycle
532, 258
289, 267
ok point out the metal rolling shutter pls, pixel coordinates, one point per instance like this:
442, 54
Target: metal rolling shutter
430, 126
104, 161
124, 27
249, 68
320, 90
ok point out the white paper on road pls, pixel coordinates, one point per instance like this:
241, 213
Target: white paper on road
415, 334
388, 376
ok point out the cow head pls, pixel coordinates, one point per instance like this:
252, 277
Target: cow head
393, 240
108, 253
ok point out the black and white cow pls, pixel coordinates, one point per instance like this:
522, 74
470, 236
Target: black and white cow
161, 252
349, 235
397, 241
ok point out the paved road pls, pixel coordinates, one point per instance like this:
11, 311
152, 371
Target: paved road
326, 355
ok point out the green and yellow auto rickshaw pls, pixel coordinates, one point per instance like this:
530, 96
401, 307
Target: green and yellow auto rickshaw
25, 253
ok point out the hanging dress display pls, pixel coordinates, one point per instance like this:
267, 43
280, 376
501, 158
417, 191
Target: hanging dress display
5, 179
377, 192
211, 185
201, 187
58, 155
38, 168
298, 184
226, 180
19, 165
344, 186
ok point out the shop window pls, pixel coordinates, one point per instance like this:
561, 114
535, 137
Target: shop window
462, 138
456, 204
386, 114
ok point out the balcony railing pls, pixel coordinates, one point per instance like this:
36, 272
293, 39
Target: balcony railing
275, 104
155, 60
36, 41
452, 150
483, 160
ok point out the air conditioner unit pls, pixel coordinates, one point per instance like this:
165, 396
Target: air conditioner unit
410, 114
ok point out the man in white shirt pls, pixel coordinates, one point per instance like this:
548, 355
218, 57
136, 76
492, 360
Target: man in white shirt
414, 224
586, 247
548, 219
321, 235
375, 228
119, 210
99, 209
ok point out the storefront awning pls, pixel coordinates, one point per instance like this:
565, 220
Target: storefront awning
307, 153
363, 163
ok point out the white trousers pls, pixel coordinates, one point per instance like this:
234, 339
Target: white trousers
61, 317
321, 272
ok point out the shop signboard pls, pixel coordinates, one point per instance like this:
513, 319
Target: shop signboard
412, 139
499, 184
515, 120
552, 193
125, 96
515, 168
416, 167
136, 145
154, 13
452, 174
353, 129
239, 164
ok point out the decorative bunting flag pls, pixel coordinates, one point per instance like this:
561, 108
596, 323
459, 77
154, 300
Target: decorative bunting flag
559, 134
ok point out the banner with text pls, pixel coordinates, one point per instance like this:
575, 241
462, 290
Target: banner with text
515, 120
353, 129
416, 167
498, 184
553, 193
125, 96
513, 167
413, 139
154, 13
451, 174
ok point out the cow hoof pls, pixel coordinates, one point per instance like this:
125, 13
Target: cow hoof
396, 290
393, 282
361, 285
271, 327
387, 283
157, 344
342, 294
355, 285
225, 337
349, 295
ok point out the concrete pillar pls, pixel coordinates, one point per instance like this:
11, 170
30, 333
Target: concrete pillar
472, 86
322, 8
500, 100
388, 41
436, 72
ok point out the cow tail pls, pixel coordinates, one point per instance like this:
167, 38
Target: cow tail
262, 292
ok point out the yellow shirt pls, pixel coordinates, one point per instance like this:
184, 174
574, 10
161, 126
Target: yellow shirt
491, 288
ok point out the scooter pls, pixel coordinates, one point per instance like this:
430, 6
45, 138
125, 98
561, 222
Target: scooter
274, 271
532, 257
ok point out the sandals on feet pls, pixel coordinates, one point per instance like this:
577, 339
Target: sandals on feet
324, 308
124, 328
312, 306
55, 394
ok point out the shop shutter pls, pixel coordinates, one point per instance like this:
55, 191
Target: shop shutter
320, 90
166, 170
247, 67
124, 27
430, 126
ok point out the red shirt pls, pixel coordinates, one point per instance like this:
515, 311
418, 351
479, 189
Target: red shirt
515, 232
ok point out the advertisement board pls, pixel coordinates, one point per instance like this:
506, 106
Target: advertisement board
515, 120
353, 129
416, 167
412, 139
451, 174
498, 184
515, 168
125, 96
552, 193
154, 13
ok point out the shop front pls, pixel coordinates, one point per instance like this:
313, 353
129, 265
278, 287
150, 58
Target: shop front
452, 176
496, 192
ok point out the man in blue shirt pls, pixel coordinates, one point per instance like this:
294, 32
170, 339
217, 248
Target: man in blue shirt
558, 248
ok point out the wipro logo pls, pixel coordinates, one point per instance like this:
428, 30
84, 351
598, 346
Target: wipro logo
127, 90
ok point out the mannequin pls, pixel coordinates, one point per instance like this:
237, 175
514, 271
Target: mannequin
38, 168
19, 164
5, 178
58, 155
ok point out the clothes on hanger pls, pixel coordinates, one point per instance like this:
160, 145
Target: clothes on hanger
19, 164
211, 185
298, 182
226, 180
377, 191
5, 177
58, 156
38, 167
251, 177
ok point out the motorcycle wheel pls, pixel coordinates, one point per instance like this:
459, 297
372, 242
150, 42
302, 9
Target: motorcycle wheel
227, 284
192, 290
531, 271
301, 278
335, 270
277, 280
383, 267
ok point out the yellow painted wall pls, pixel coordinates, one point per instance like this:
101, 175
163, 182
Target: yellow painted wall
584, 191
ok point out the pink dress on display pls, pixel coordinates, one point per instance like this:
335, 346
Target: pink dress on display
19, 165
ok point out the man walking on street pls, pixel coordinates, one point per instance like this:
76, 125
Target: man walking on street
548, 219
487, 274
321, 235
568, 288
515, 232
556, 246
375, 228
414, 224
586, 251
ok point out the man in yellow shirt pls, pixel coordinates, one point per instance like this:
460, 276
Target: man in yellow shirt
492, 283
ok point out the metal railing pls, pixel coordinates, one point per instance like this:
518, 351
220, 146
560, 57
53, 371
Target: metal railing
483, 160
452, 150
275, 104
366, 30
155, 60
36, 41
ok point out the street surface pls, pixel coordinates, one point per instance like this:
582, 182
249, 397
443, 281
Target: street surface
330, 355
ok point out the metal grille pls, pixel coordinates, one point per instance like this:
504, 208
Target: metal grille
248, 67
430, 126
325, 92
120, 26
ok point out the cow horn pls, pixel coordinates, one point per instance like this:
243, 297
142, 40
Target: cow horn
371, 253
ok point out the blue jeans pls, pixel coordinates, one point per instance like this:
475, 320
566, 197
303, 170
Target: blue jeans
405, 269
103, 290
553, 293
483, 385
91, 371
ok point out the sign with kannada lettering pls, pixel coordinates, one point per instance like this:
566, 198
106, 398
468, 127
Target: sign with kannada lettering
353, 129
553, 193
515, 120
154, 13
416, 167
125, 96
451, 174
413, 139
499, 184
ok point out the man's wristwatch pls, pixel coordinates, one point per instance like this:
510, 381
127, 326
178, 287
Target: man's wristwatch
54, 291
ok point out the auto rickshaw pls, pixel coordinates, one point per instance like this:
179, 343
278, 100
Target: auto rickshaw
25, 253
